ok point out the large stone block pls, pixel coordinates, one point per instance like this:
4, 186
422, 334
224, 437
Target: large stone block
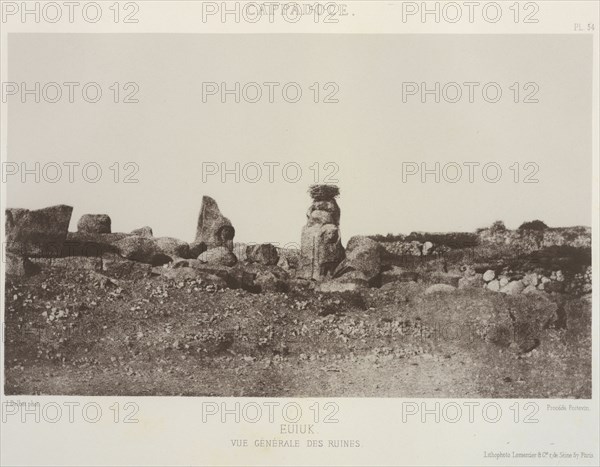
364, 255
264, 254
218, 256
37, 233
143, 250
94, 223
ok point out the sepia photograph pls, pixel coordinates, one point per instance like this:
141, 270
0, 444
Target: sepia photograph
226, 207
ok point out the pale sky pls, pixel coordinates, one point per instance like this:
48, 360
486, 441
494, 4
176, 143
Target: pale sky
368, 134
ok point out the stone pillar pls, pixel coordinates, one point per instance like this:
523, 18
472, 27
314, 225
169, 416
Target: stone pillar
321, 246
214, 229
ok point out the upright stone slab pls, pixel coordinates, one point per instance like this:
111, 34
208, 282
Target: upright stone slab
321, 247
214, 229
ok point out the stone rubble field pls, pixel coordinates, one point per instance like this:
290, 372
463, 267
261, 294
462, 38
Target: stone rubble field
496, 313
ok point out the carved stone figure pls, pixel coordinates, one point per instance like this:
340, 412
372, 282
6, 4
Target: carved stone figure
321, 247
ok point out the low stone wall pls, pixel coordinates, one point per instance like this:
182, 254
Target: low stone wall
578, 237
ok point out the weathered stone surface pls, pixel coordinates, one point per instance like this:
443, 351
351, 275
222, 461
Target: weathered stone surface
90, 244
318, 217
364, 255
489, 275
531, 279
94, 223
197, 264
321, 249
291, 255
427, 248
329, 206
220, 255
264, 254
18, 266
174, 247
439, 288
214, 229
255, 277
513, 288
353, 277
530, 289
493, 285
284, 264
145, 231
144, 250
37, 233
268, 281
197, 248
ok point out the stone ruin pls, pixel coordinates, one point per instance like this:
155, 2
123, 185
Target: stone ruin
40, 238
321, 249
214, 229
214, 235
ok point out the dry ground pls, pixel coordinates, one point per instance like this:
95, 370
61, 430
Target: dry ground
77, 332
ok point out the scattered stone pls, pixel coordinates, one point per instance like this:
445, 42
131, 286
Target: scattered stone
531, 279
427, 248
38, 233
439, 288
220, 255
494, 285
489, 275
144, 250
559, 276
530, 289
145, 231
264, 254
94, 223
513, 288
503, 281
214, 229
